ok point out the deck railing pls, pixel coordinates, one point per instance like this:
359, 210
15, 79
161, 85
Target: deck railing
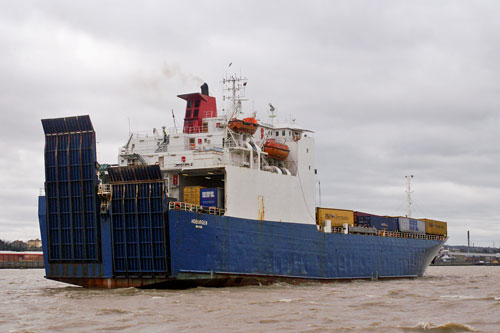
399, 234
195, 208
396, 234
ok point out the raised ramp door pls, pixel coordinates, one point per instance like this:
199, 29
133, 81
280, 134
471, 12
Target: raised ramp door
138, 220
70, 189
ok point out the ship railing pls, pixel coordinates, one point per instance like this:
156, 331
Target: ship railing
231, 144
147, 134
204, 159
212, 158
396, 234
188, 207
338, 230
399, 234
104, 190
158, 133
195, 129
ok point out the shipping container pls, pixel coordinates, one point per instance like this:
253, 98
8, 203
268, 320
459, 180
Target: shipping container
376, 221
411, 225
337, 216
383, 223
361, 218
212, 197
434, 227
192, 194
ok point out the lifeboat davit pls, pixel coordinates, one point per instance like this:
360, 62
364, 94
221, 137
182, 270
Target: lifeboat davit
275, 150
247, 125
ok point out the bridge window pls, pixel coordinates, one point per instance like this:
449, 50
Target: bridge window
277, 133
195, 113
190, 104
283, 133
188, 114
197, 103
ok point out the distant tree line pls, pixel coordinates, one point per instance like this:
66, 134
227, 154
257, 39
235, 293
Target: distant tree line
16, 245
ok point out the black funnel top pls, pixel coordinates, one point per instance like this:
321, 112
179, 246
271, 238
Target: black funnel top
204, 89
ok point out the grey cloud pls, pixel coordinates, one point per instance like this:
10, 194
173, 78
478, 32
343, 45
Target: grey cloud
391, 88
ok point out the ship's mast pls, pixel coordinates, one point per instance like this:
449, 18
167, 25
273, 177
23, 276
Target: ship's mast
234, 90
409, 192
173, 116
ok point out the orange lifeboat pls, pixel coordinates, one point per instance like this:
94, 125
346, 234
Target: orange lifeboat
275, 150
247, 125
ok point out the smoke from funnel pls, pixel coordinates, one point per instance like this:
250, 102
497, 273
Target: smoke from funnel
174, 71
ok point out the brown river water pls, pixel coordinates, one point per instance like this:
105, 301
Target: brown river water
446, 299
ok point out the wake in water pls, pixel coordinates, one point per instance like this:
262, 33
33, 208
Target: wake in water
450, 327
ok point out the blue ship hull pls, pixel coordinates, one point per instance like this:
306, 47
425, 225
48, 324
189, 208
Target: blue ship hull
210, 250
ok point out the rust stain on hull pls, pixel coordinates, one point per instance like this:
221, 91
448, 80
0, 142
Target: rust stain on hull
192, 281
109, 283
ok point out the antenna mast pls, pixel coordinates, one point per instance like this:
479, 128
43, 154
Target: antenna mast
234, 87
173, 116
409, 192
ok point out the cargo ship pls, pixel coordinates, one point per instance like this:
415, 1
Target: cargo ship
225, 200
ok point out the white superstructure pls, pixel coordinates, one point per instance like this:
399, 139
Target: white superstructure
210, 152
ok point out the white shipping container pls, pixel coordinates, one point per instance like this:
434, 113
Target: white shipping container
411, 225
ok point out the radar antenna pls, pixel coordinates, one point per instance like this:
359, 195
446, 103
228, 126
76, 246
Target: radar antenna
272, 114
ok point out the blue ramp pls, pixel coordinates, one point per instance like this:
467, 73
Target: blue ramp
70, 187
138, 220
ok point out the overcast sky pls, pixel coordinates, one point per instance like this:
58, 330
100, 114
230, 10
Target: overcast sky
391, 88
